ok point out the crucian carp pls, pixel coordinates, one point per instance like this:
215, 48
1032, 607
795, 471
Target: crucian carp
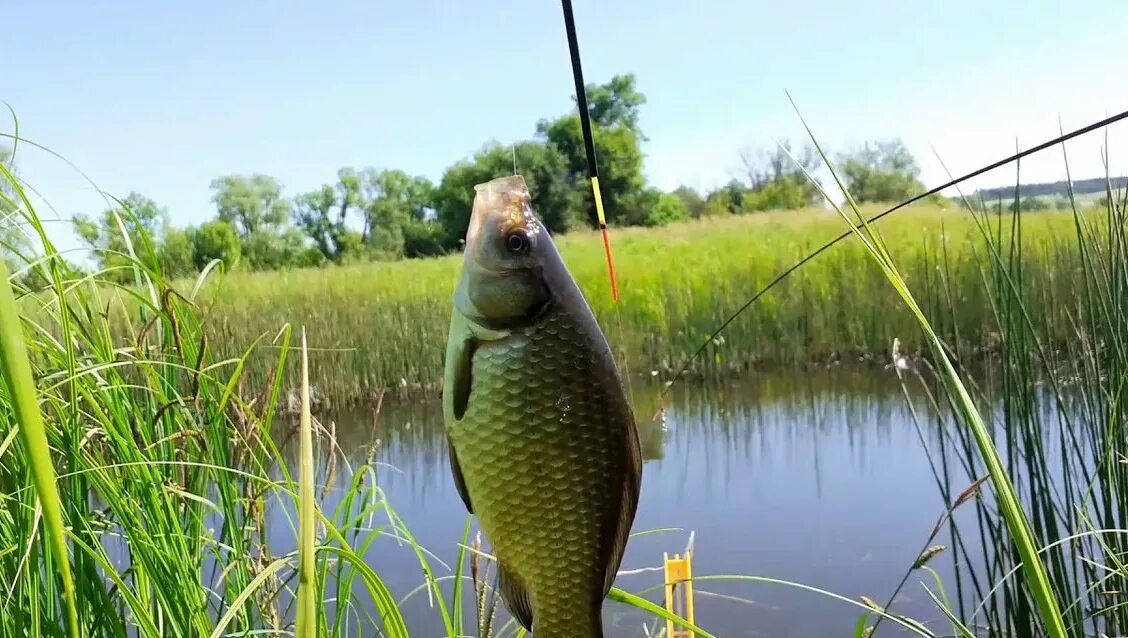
543, 444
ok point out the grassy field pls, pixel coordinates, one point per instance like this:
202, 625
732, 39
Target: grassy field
385, 324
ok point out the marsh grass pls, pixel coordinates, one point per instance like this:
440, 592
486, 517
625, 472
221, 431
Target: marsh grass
377, 326
1056, 409
162, 409
138, 448
138, 465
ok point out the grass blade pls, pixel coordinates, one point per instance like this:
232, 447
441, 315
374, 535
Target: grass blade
307, 618
16, 370
1009, 504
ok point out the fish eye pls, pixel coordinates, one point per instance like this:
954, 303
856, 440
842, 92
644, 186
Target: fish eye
517, 241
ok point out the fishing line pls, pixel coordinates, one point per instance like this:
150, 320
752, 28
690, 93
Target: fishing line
589, 144
593, 175
1017, 156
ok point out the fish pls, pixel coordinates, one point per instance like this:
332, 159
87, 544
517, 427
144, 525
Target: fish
542, 441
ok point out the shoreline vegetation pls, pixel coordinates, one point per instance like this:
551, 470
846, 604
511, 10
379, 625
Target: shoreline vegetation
139, 456
380, 326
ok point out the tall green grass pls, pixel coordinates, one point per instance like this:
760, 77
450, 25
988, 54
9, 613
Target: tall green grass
1057, 411
135, 475
161, 405
1041, 600
138, 465
376, 326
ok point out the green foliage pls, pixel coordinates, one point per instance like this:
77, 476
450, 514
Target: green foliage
274, 248
667, 209
779, 179
216, 239
615, 103
367, 214
121, 231
396, 200
692, 200
254, 206
423, 238
175, 253
726, 200
314, 214
250, 203
882, 171
620, 166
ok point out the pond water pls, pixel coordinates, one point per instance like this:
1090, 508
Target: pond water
815, 477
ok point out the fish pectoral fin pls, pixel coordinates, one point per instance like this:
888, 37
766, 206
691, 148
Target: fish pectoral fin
457, 369
456, 473
516, 597
462, 341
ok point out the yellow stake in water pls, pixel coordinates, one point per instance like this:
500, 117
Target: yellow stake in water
679, 574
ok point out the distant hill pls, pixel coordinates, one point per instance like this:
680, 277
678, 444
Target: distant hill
1094, 186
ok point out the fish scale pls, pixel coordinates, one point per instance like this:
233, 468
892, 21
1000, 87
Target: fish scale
533, 443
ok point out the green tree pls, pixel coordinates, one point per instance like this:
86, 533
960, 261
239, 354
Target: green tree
883, 171
726, 200
255, 207
138, 219
667, 208
692, 200
274, 248
397, 201
614, 111
424, 238
15, 244
175, 252
250, 203
314, 213
784, 193
615, 103
323, 215
216, 239
777, 179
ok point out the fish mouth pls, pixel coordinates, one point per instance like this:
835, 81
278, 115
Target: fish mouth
504, 201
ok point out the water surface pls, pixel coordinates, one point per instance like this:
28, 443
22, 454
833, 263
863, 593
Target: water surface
817, 477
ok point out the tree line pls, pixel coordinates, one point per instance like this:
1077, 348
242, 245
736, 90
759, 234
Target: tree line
368, 214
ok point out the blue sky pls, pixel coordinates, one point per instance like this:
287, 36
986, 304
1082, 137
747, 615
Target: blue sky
162, 97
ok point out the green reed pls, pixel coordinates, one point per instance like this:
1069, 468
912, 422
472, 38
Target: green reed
164, 471
1057, 410
162, 404
382, 325
138, 463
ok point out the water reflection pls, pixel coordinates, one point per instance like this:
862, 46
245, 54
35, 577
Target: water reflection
818, 477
